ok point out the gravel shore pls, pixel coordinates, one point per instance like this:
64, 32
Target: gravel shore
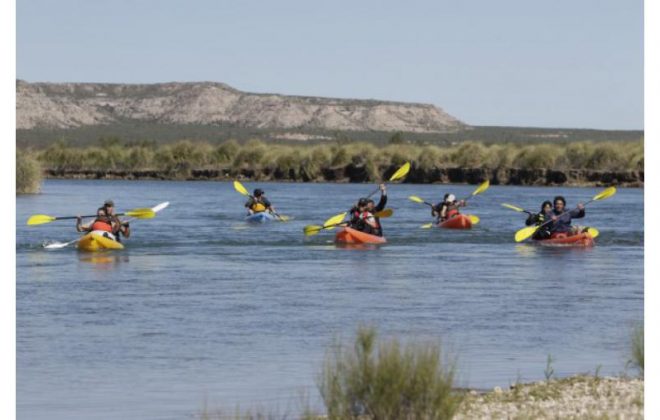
570, 398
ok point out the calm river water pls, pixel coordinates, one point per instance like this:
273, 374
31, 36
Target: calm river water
202, 309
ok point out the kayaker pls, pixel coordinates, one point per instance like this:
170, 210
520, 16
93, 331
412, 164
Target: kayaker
258, 203
539, 219
357, 213
561, 219
119, 227
105, 221
372, 209
448, 208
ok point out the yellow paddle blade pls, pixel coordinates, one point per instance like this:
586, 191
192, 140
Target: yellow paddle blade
334, 220
283, 218
240, 188
310, 230
483, 187
512, 207
474, 219
416, 199
525, 233
427, 226
141, 213
593, 232
403, 171
607, 193
40, 219
384, 213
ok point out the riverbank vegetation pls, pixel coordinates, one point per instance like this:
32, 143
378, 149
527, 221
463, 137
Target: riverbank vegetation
384, 379
311, 160
387, 380
28, 173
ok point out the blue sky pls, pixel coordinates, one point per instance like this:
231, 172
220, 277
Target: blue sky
524, 63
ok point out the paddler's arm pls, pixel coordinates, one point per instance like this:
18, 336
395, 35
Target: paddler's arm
383, 198
125, 229
79, 226
579, 212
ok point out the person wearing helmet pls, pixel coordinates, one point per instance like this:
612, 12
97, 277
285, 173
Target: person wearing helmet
539, 219
561, 219
258, 203
448, 208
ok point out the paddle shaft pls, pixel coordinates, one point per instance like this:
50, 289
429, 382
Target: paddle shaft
82, 217
560, 216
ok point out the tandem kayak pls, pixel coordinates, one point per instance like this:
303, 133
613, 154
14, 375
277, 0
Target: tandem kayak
261, 217
98, 240
561, 239
459, 221
351, 236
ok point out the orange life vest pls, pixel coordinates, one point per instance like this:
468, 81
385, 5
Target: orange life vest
101, 225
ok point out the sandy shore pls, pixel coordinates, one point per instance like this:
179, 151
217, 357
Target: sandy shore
577, 397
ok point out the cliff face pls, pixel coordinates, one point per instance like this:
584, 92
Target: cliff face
71, 105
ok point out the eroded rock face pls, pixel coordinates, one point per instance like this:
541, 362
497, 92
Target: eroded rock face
70, 105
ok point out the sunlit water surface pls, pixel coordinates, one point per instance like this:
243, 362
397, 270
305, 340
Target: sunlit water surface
201, 308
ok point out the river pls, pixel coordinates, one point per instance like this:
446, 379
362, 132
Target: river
201, 308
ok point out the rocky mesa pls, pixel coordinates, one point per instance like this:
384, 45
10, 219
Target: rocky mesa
73, 105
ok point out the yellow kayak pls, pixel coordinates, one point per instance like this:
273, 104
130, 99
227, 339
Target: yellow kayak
98, 240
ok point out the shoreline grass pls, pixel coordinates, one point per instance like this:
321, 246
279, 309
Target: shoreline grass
309, 161
28, 173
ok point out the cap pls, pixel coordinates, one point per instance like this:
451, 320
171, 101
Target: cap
258, 192
451, 197
109, 203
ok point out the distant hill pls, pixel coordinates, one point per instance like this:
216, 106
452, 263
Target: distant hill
86, 113
74, 105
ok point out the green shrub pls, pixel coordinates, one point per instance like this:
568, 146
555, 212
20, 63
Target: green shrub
28, 173
607, 156
386, 380
536, 157
469, 155
638, 348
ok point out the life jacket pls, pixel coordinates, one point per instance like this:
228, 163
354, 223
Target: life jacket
369, 218
258, 207
102, 225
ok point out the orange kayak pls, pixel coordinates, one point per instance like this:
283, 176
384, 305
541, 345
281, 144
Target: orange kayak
460, 221
351, 236
561, 239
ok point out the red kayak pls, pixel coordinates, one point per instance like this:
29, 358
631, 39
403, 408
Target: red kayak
351, 236
459, 221
561, 239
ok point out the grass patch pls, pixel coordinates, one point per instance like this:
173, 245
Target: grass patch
28, 173
387, 380
638, 348
308, 161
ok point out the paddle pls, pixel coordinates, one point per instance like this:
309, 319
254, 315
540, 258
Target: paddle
59, 245
40, 219
241, 189
400, 173
593, 232
310, 230
528, 231
515, 208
